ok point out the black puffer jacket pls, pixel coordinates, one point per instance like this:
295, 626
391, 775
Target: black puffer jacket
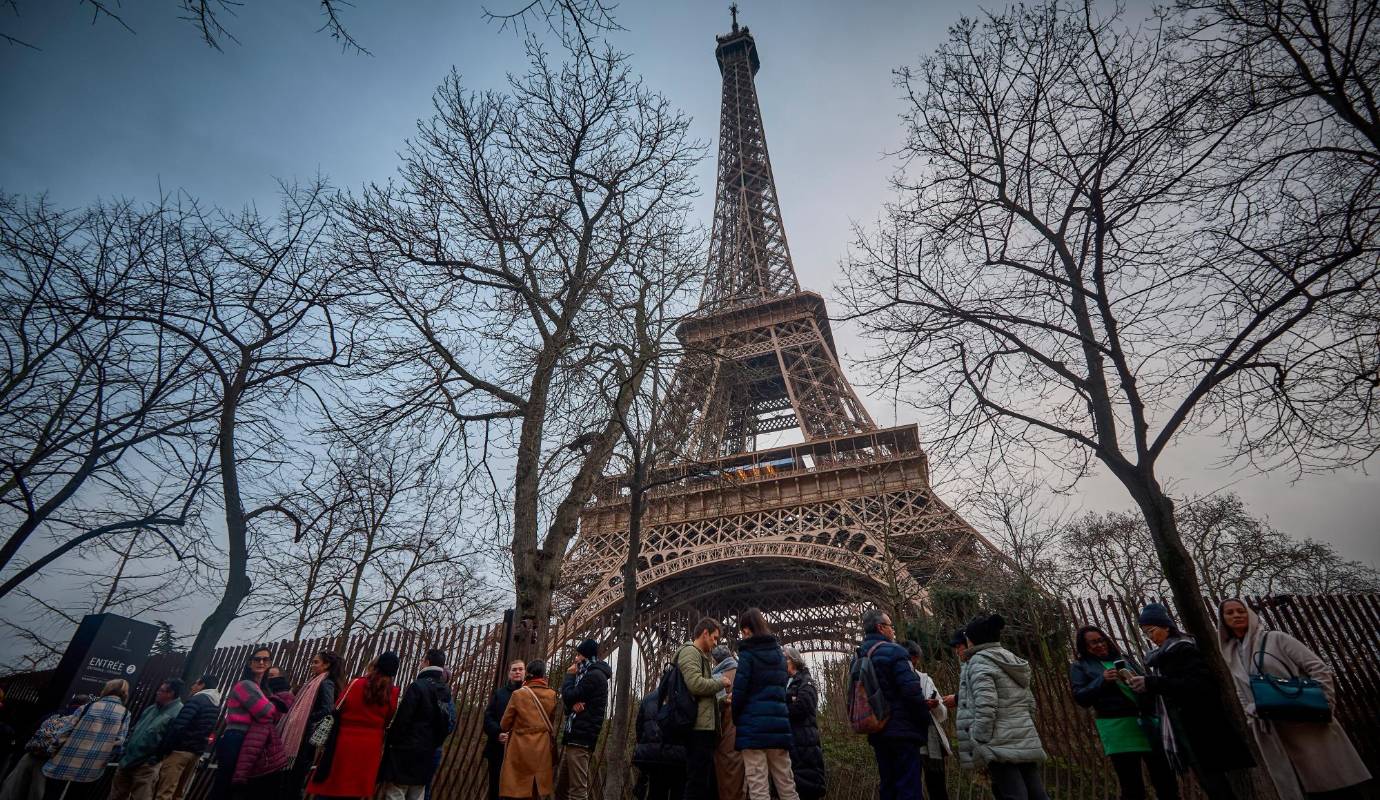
1107, 700
651, 751
759, 695
419, 726
592, 689
807, 757
192, 726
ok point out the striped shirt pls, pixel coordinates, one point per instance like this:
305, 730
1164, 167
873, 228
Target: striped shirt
246, 704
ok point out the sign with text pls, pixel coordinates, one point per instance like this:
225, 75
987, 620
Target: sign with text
105, 647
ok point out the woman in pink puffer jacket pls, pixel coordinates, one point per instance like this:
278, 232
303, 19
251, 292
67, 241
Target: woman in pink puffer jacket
262, 757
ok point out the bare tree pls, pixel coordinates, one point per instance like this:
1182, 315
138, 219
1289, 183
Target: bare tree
486, 272
1027, 525
133, 574
1236, 552
577, 23
644, 342
252, 298
206, 16
377, 548
1301, 63
1087, 263
102, 423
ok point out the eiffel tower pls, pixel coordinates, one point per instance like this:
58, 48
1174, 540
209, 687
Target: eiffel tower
810, 532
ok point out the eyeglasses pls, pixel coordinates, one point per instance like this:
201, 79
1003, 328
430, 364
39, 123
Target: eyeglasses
1095, 642
262, 659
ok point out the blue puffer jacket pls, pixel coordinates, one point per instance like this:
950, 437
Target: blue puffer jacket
910, 715
759, 695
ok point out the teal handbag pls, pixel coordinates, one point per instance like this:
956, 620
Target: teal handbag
1293, 699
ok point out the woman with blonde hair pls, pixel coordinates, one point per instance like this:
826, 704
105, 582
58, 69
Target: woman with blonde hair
98, 729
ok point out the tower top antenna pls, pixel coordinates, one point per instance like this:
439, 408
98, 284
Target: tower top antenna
733, 9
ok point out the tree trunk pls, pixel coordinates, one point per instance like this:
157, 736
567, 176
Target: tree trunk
616, 745
532, 622
1194, 617
237, 583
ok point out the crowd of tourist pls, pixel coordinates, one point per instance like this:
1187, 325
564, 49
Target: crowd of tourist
721, 724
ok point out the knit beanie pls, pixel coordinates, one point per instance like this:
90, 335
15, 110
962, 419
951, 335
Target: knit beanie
387, 664
1155, 614
960, 637
984, 628
589, 649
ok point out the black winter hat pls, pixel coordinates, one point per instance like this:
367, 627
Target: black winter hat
960, 637
387, 664
984, 628
1155, 614
589, 649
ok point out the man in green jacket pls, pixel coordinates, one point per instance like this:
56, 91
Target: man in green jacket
693, 662
139, 765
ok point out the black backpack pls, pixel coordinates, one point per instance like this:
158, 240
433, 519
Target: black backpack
676, 708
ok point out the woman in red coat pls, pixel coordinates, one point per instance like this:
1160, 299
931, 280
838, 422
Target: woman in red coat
350, 766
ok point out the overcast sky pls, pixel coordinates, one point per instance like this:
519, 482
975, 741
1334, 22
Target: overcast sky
99, 112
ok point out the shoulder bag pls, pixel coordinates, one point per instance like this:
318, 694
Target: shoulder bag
1297, 698
322, 732
550, 729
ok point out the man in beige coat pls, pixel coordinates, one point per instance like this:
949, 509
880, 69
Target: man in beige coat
1302, 757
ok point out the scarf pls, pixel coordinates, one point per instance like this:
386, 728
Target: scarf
293, 727
580, 671
1240, 655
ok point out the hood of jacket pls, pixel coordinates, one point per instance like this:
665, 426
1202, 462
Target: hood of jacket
1015, 667
601, 666
210, 694
1152, 658
724, 666
1255, 627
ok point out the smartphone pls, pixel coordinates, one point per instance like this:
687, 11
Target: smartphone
1122, 670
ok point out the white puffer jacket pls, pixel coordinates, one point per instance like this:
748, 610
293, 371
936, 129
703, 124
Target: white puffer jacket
996, 709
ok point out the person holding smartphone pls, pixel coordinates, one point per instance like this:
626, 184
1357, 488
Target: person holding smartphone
1126, 721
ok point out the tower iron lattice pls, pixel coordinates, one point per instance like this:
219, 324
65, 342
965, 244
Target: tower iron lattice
810, 532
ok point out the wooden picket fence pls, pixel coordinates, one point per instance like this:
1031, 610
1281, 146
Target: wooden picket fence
475, 655
1343, 629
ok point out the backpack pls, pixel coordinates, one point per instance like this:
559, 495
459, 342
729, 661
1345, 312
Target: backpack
49, 737
443, 715
676, 708
868, 709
